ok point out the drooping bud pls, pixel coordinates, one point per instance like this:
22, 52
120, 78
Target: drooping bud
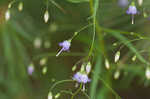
82, 69
115, 44
134, 58
57, 95
30, 69
44, 70
147, 73
46, 16
43, 61
140, 2
37, 42
116, 74
117, 56
20, 6
7, 15
74, 68
88, 68
9, 5
107, 65
50, 95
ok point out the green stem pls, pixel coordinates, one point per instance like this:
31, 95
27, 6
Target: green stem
83, 28
78, 90
59, 82
94, 26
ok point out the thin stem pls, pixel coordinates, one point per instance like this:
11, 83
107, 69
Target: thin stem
133, 41
66, 92
86, 94
83, 28
57, 5
94, 26
59, 82
117, 96
78, 90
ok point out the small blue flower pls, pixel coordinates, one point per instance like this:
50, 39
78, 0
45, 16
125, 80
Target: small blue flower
132, 10
123, 3
30, 69
81, 78
65, 46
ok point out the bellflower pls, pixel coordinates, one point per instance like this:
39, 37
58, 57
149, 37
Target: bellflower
81, 77
132, 10
65, 46
30, 69
123, 3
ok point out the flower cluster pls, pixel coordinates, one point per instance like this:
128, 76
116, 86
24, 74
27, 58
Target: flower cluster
82, 75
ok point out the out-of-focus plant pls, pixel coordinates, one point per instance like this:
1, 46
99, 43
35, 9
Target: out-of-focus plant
105, 51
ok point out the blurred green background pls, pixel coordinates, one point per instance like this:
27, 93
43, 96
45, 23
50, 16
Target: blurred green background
17, 50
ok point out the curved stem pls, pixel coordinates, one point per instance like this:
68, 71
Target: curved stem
59, 82
78, 90
133, 41
83, 28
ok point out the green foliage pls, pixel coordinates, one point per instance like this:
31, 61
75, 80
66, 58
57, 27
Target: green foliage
93, 26
78, 1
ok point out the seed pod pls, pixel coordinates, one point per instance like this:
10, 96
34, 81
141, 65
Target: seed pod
46, 16
20, 6
117, 56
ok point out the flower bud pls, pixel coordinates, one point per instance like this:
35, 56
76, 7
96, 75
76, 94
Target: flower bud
74, 68
107, 65
116, 74
50, 96
46, 16
134, 58
88, 68
140, 2
7, 15
37, 42
147, 73
117, 56
20, 6
57, 95
44, 70
43, 61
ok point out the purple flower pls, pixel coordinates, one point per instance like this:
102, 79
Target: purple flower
81, 78
65, 46
123, 3
30, 69
132, 11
